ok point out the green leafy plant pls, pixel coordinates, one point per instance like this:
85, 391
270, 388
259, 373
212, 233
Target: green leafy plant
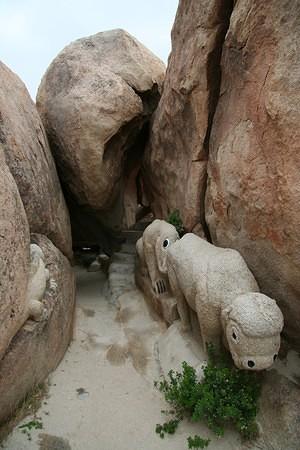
34, 424
226, 396
168, 427
197, 442
175, 219
28, 406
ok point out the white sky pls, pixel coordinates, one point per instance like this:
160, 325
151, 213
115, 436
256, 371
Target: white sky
32, 32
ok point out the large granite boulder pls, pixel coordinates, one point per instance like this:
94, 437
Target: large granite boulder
38, 347
176, 157
253, 194
14, 257
95, 101
28, 156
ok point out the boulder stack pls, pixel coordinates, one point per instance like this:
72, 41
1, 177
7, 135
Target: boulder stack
95, 101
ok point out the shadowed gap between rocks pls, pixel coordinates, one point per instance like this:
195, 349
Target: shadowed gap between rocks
214, 77
100, 230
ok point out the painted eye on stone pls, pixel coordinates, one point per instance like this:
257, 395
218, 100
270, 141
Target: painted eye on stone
166, 243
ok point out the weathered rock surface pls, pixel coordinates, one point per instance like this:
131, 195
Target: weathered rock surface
176, 157
14, 257
28, 156
39, 346
95, 100
253, 192
279, 415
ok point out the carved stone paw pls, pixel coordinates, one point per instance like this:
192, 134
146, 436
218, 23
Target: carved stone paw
37, 311
160, 287
44, 315
53, 285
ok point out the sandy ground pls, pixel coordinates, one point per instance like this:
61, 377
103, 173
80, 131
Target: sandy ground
101, 397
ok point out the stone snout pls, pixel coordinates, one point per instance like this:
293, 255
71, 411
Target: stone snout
152, 249
252, 325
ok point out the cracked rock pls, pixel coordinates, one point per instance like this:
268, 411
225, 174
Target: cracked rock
176, 157
95, 101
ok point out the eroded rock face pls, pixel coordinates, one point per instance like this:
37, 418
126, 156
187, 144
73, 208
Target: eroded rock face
38, 347
253, 195
176, 157
14, 257
279, 414
28, 156
94, 100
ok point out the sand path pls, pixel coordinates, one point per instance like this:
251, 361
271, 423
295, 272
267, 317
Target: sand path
101, 397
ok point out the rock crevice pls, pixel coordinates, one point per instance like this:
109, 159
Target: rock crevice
95, 119
214, 72
253, 172
176, 156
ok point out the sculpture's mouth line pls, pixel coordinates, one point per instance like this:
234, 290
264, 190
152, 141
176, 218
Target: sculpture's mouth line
252, 364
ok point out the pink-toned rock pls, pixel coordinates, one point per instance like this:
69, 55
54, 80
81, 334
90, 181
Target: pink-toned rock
176, 157
253, 195
30, 161
14, 258
38, 347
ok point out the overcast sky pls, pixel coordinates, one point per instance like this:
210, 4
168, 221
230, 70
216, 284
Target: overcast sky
32, 32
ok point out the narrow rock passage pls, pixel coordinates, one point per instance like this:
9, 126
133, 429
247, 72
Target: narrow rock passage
101, 397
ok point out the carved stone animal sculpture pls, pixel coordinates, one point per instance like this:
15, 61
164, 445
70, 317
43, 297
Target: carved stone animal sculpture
38, 277
217, 284
152, 251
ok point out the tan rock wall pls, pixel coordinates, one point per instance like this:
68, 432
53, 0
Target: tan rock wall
253, 187
38, 347
176, 157
30, 161
253, 196
14, 257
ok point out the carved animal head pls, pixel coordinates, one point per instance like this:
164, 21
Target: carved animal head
36, 254
152, 252
167, 236
252, 325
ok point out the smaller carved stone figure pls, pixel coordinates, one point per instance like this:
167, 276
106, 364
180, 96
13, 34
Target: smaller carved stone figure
38, 277
152, 252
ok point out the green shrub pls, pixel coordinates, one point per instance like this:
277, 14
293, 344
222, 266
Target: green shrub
168, 427
175, 219
197, 442
226, 396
